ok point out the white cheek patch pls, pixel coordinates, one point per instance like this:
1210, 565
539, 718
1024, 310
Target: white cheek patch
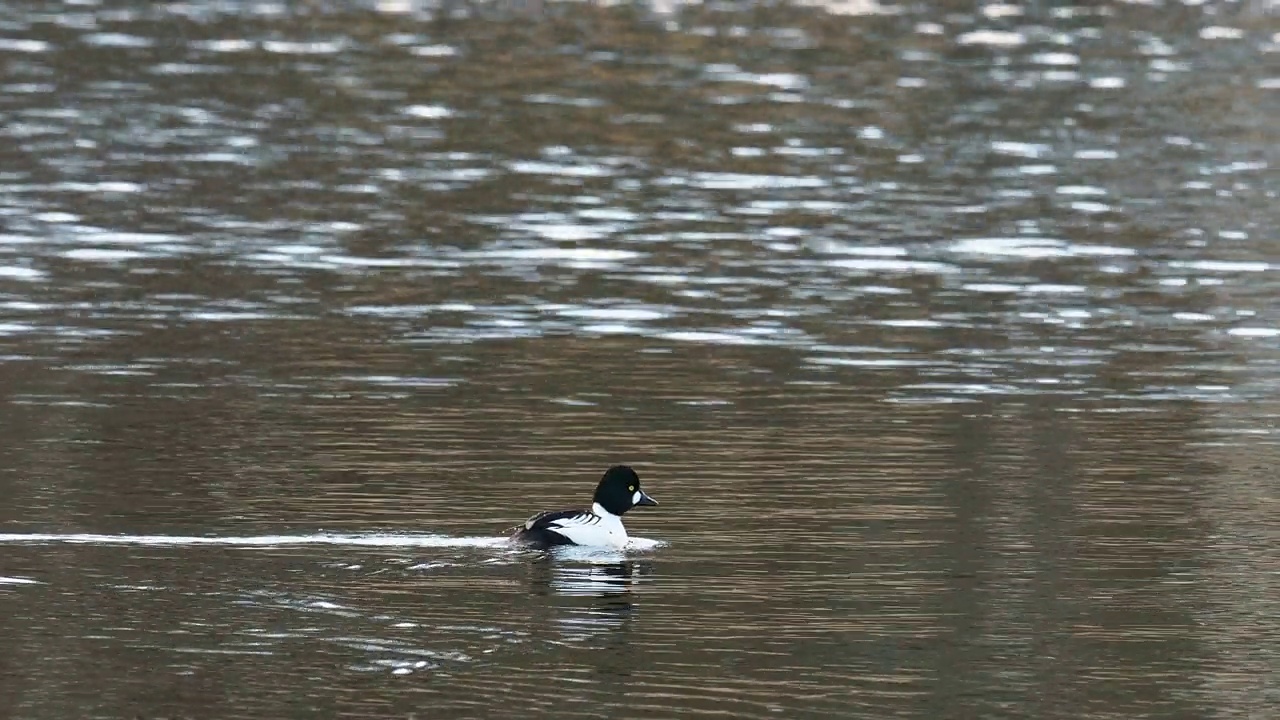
636, 497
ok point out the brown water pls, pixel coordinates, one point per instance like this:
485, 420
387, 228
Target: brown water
945, 337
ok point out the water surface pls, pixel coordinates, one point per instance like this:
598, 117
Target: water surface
944, 334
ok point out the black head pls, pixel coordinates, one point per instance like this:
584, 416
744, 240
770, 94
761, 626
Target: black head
619, 490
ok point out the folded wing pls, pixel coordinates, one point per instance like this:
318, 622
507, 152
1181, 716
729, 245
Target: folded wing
565, 527
563, 519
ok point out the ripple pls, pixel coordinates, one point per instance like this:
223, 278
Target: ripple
885, 265
1107, 83
318, 47
400, 381
1219, 32
103, 255
992, 38
103, 186
557, 255
871, 362
22, 45
1223, 266
910, 323
1090, 207
742, 181
352, 261
1033, 247
1055, 58
116, 40
21, 273
434, 51
584, 170
833, 247
711, 337
732, 73
613, 313
117, 237
1080, 190
231, 315
230, 45
429, 112
1254, 332
613, 329
1020, 149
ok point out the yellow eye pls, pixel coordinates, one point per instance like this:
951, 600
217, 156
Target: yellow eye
632, 488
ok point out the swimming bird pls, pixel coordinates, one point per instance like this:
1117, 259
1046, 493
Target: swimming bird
618, 491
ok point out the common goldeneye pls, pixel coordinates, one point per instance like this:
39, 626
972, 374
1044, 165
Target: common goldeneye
618, 491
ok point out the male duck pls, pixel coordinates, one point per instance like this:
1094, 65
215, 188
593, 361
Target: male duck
618, 491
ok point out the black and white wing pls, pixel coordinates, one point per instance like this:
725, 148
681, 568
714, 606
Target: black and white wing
566, 527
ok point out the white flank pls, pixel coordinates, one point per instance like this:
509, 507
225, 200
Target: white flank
601, 528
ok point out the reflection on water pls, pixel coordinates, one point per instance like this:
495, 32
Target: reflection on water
947, 330
597, 593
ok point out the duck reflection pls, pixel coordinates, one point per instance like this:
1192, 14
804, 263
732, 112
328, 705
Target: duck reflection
596, 592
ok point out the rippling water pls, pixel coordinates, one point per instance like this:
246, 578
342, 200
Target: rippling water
943, 332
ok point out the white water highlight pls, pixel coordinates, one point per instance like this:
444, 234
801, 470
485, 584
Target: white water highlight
365, 540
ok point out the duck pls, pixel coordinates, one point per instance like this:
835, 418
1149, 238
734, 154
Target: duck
600, 525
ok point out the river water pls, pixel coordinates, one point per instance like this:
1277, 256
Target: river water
944, 333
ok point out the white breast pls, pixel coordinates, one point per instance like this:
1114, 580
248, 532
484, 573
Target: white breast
601, 528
